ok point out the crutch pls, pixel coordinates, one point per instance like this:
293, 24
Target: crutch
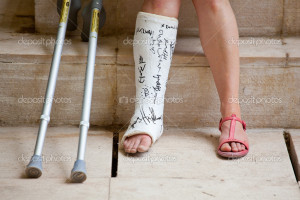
92, 12
34, 168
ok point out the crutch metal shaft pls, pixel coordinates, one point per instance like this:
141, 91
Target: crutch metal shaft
88, 89
78, 173
34, 168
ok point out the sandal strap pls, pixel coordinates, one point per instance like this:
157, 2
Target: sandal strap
234, 118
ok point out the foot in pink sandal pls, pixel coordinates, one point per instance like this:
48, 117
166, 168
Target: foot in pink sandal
231, 138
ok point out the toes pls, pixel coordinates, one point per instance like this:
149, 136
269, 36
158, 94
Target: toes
144, 144
130, 145
126, 143
243, 147
234, 147
225, 147
137, 143
135, 146
238, 145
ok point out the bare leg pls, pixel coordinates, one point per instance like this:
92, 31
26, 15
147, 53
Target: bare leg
169, 8
217, 25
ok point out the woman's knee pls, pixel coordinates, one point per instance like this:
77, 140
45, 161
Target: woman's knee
157, 4
213, 5
168, 8
162, 5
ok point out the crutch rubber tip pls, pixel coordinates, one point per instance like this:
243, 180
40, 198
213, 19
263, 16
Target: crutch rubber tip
78, 173
34, 168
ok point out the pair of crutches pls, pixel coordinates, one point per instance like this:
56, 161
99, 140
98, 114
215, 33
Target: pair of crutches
93, 20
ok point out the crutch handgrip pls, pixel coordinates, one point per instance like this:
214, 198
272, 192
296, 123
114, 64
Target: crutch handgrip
86, 15
74, 8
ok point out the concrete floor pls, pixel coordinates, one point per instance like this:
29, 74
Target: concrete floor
182, 165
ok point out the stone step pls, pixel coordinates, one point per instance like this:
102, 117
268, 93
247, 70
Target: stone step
59, 155
294, 145
184, 163
269, 82
254, 18
189, 170
59, 152
17, 16
190, 189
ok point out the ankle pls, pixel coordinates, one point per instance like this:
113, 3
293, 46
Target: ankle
227, 109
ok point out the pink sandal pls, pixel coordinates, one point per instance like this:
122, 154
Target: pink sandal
231, 138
